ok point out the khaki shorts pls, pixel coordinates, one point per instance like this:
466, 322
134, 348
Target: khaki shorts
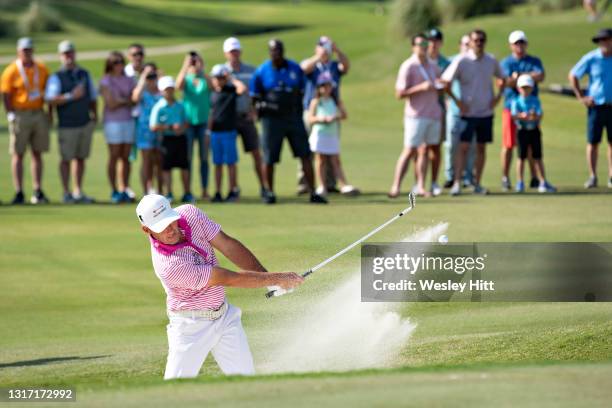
30, 127
75, 142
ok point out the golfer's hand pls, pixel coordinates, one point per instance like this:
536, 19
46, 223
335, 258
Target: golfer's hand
587, 101
289, 280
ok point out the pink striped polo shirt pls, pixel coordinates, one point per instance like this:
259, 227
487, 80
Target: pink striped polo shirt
184, 269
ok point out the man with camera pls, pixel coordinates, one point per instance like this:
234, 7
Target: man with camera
277, 89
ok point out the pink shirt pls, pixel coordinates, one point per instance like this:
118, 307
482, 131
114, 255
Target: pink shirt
421, 104
120, 87
184, 269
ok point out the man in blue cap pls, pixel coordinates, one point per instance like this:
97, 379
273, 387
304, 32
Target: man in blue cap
597, 64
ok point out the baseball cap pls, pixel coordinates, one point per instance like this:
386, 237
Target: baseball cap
324, 78
65, 46
155, 213
602, 35
525, 80
219, 70
435, 34
25, 43
517, 36
231, 44
165, 82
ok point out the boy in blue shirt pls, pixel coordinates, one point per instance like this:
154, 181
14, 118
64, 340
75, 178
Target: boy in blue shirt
168, 118
527, 113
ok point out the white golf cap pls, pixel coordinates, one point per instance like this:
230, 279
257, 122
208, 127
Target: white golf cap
155, 213
25, 43
219, 70
517, 36
525, 80
65, 46
231, 44
165, 82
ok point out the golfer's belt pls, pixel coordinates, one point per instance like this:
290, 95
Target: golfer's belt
206, 314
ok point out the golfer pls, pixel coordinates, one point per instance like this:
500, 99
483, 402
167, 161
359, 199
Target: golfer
183, 241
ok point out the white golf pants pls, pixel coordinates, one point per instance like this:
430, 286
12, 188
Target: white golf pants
190, 340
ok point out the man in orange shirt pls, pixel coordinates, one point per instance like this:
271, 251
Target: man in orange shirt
22, 85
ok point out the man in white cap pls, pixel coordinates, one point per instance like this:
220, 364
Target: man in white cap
245, 124
23, 86
183, 242
513, 66
72, 92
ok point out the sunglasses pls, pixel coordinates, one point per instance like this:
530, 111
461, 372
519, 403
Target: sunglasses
137, 54
117, 62
520, 42
480, 40
422, 44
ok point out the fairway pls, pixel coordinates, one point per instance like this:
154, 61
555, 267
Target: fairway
81, 306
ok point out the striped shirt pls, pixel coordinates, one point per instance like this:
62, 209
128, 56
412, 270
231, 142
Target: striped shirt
184, 269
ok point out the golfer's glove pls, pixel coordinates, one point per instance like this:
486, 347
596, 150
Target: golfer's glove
278, 291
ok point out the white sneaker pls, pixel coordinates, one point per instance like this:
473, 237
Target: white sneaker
455, 189
151, 191
349, 190
436, 190
130, 193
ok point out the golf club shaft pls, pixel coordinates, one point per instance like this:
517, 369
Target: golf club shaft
354, 244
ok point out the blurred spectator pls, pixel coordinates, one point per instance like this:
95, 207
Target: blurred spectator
245, 124
436, 39
475, 71
145, 95
454, 128
513, 66
526, 110
72, 92
222, 124
116, 90
136, 54
169, 118
591, 7
597, 64
417, 83
324, 114
313, 67
195, 84
277, 90
23, 85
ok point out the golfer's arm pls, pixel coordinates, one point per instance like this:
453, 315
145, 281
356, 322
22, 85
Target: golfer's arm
237, 253
244, 279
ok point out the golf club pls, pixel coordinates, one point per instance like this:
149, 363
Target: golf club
280, 292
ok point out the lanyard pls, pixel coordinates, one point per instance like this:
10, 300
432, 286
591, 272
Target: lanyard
24, 77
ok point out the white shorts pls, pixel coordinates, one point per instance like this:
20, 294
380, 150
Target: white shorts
120, 132
418, 131
190, 340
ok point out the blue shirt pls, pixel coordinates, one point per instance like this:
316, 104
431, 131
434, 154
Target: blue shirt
288, 78
599, 70
333, 67
524, 65
165, 114
455, 89
520, 104
147, 102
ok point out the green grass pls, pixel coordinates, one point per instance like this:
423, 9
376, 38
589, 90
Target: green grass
81, 306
